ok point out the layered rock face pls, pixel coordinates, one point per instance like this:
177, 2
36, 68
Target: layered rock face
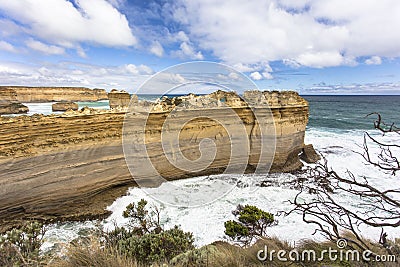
56, 94
72, 165
9, 103
120, 99
64, 106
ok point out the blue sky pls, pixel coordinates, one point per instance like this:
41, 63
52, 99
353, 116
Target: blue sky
311, 46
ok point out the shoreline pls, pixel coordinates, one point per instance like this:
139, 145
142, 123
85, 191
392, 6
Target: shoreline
69, 159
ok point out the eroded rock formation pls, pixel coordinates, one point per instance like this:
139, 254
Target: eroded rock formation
9, 103
120, 99
64, 106
72, 165
56, 94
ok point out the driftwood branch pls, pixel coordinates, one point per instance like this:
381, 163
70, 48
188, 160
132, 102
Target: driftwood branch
334, 217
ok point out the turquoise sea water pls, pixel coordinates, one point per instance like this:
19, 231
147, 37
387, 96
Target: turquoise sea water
45, 108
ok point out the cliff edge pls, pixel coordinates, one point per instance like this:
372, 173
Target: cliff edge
55, 94
70, 166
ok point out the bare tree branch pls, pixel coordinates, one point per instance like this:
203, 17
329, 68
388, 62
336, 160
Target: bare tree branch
375, 207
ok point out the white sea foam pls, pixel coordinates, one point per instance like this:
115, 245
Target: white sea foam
45, 108
207, 222
40, 108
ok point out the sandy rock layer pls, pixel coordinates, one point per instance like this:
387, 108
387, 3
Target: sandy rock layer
71, 166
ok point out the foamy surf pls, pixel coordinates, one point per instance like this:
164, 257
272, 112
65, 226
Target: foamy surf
207, 222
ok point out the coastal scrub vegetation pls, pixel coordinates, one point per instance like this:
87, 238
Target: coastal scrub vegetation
21, 246
251, 223
142, 242
134, 246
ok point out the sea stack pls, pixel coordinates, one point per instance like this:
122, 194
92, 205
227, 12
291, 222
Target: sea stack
64, 106
120, 99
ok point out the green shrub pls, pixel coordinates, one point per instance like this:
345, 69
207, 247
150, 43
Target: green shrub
157, 247
141, 220
203, 256
144, 239
251, 222
21, 247
236, 231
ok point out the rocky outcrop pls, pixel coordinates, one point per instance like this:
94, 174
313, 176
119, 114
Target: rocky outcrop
309, 155
64, 106
72, 165
9, 103
12, 108
55, 94
120, 99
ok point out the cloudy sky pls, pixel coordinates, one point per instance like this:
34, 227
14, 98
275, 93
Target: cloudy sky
312, 46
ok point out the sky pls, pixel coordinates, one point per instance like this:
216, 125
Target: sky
310, 46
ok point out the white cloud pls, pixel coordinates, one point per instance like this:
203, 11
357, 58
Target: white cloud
291, 63
230, 76
256, 75
157, 49
187, 50
8, 27
182, 36
234, 76
267, 75
9, 70
81, 52
307, 32
258, 71
320, 59
179, 78
60, 22
243, 67
7, 47
133, 69
44, 48
127, 77
374, 60
259, 66
354, 88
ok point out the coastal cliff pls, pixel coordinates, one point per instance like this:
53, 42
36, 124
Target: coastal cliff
55, 94
72, 165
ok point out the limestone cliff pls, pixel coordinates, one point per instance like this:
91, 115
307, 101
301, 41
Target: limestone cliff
72, 165
56, 94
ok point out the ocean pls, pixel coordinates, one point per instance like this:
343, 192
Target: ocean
336, 128
45, 108
349, 112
